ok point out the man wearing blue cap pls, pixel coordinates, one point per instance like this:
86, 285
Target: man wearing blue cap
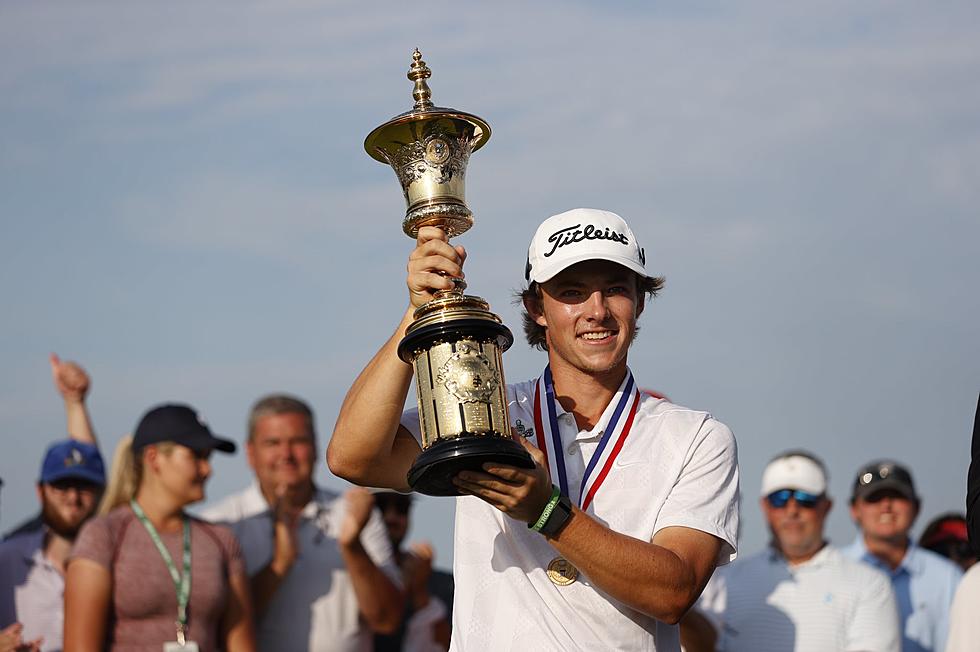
32, 559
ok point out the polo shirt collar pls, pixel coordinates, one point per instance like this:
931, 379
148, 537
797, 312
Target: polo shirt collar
814, 562
31, 545
597, 432
911, 563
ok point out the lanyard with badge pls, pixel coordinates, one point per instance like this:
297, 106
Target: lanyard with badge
182, 582
614, 434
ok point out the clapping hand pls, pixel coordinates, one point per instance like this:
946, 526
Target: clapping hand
417, 569
360, 502
11, 641
285, 527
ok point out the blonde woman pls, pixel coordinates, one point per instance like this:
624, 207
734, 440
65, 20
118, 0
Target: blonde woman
145, 575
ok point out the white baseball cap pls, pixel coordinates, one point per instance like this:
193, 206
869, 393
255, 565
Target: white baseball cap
794, 472
578, 235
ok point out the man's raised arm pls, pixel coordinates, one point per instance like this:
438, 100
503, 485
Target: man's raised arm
73, 384
368, 446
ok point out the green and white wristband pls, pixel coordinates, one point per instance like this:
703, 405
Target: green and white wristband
546, 512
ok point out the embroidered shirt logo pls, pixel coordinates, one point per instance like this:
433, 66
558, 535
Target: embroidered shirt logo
523, 430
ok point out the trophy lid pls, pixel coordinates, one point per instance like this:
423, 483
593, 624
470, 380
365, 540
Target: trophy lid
403, 128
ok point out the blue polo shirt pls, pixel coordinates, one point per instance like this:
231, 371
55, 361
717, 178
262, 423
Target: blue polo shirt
31, 590
924, 585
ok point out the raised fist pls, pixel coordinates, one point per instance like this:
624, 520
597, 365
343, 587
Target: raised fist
70, 379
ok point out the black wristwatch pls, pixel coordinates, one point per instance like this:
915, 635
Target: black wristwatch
558, 518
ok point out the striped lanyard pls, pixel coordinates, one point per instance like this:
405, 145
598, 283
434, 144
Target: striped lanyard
182, 583
614, 433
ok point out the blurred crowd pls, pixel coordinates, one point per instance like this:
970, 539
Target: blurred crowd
114, 561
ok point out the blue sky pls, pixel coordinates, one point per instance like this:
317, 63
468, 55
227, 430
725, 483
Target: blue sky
187, 209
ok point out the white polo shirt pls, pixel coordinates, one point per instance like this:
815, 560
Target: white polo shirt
964, 626
677, 468
32, 590
826, 603
314, 607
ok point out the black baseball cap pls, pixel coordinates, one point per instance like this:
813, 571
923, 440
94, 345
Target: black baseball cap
883, 474
179, 424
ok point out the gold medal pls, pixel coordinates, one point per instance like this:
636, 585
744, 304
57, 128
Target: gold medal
561, 571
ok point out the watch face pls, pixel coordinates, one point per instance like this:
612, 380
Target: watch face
558, 517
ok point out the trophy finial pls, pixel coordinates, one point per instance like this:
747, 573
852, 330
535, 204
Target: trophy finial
418, 73
429, 147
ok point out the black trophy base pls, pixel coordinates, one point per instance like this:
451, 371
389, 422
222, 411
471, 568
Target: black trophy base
435, 468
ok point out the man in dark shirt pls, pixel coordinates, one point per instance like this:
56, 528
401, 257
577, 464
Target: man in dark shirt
425, 626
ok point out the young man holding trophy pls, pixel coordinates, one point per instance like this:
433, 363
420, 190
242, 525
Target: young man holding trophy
632, 501
600, 528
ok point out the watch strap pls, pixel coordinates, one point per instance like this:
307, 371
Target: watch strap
558, 518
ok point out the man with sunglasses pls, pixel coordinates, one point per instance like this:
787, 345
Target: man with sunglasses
884, 506
800, 593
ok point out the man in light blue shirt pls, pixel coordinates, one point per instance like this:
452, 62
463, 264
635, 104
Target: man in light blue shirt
884, 506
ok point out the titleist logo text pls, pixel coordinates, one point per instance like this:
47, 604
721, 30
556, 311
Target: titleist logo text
577, 233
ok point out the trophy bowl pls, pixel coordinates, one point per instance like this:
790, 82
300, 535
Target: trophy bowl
455, 342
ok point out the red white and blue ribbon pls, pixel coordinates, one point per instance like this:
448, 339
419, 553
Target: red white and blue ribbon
615, 427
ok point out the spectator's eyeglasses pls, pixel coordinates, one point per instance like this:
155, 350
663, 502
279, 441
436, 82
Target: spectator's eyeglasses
81, 486
880, 495
778, 499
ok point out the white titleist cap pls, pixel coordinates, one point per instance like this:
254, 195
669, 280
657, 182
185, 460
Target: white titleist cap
578, 235
794, 472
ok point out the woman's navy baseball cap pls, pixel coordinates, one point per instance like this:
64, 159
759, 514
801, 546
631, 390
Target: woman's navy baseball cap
179, 424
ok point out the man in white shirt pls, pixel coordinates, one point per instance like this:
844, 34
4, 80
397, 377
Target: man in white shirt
800, 593
644, 501
322, 572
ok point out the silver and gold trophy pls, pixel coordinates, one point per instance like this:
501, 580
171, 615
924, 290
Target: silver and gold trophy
455, 343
